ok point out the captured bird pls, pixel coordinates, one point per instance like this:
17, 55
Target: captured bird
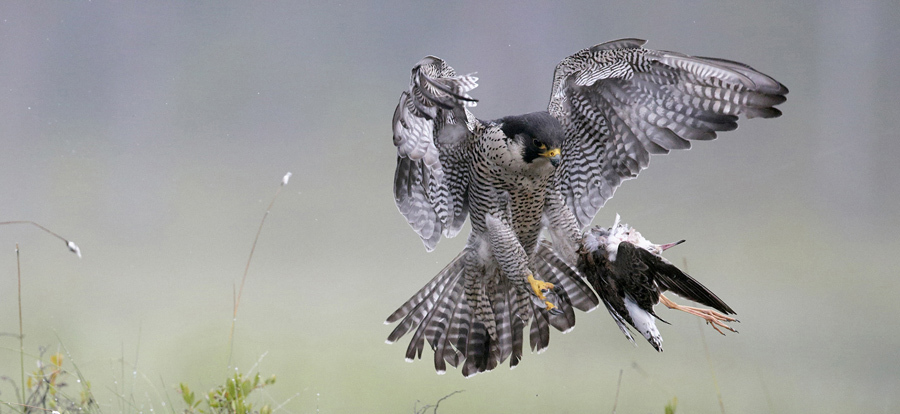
630, 275
611, 106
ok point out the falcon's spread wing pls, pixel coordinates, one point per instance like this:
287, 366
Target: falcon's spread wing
619, 103
432, 130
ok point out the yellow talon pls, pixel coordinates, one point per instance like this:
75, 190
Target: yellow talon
539, 287
550, 306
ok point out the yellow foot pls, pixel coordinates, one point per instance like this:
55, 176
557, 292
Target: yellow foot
713, 318
540, 287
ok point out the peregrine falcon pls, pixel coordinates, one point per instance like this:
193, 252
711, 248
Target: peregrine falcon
611, 106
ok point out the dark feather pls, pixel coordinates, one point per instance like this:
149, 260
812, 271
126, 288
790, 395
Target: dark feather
671, 278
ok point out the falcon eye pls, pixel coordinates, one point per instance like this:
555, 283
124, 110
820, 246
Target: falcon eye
538, 144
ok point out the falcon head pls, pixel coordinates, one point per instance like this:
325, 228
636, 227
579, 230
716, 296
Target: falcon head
539, 135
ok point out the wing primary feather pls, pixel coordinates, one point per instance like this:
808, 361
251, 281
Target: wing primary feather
432, 130
624, 102
670, 277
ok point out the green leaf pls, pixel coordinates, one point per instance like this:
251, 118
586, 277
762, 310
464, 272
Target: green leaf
246, 388
212, 399
670, 407
187, 395
231, 388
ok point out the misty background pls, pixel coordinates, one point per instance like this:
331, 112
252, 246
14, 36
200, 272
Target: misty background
154, 135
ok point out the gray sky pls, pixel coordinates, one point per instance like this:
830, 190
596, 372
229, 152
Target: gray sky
155, 134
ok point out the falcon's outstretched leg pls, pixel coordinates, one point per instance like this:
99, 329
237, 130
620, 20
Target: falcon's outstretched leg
513, 260
713, 318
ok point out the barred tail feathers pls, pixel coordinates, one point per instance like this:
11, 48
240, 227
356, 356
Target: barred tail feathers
423, 301
441, 314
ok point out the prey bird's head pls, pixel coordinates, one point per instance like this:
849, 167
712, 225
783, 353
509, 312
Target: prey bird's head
609, 239
539, 135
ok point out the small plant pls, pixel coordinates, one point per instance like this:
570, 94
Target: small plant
433, 407
230, 398
42, 391
670, 407
45, 387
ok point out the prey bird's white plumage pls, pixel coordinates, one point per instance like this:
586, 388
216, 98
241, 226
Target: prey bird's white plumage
611, 106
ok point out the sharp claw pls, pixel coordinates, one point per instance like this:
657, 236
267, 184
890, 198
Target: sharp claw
553, 309
714, 322
540, 287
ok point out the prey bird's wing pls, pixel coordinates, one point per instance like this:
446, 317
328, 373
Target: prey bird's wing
670, 278
619, 103
433, 131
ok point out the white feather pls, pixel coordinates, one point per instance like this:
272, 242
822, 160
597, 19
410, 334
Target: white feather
590, 242
644, 322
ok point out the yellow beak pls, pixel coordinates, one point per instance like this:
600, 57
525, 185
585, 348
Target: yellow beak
553, 155
550, 153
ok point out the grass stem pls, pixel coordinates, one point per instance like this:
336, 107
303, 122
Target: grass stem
240, 291
706, 352
21, 328
69, 244
618, 387
711, 369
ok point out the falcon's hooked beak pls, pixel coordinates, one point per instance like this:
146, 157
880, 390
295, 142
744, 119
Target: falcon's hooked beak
552, 155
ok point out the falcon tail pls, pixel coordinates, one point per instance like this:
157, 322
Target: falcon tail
441, 313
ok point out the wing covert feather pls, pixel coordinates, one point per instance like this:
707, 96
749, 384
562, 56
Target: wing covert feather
619, 103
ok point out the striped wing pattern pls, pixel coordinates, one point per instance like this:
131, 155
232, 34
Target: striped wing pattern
432, 133
620, 102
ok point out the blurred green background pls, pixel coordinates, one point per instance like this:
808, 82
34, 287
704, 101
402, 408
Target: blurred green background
154, 135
